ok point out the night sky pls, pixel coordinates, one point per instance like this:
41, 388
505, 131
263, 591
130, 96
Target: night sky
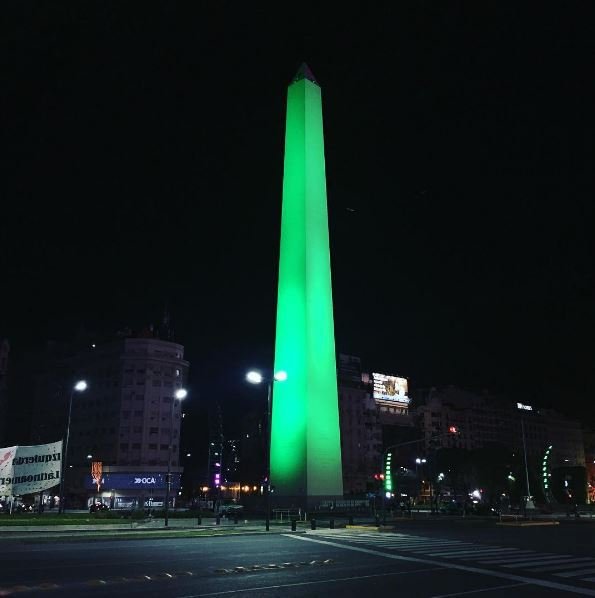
143, 167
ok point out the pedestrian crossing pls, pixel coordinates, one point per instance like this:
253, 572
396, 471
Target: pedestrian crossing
558, 566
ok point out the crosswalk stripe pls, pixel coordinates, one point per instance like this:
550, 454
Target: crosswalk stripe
438, 547
410, 543
410, 548
529, 554
484, 554
509, 558
547, 560
477, 550
573, 564
443, 547
575, 573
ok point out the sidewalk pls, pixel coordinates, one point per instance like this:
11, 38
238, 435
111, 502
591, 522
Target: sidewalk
132, 529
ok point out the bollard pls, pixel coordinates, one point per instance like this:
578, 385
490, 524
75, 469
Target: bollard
218, 519
235, 517
198, 520
332, 524
350, 519
377, 520
312, 523
294, 525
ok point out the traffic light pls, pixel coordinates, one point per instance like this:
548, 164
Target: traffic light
453, 430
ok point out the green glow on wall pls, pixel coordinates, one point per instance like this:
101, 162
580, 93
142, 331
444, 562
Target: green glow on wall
305, 438
388, 478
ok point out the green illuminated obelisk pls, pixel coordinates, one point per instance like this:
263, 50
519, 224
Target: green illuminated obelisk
305, 438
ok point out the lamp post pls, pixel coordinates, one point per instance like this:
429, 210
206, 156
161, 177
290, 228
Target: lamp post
529, 504
180, 394
79, 386
418, 462
255, 377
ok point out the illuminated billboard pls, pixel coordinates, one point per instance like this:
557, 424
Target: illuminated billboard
390, 389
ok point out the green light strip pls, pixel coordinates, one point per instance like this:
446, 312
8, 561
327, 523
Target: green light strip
305, 439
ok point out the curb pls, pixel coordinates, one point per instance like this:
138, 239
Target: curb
139, 535
526, 523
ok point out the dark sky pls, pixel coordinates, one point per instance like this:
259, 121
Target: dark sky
143, 166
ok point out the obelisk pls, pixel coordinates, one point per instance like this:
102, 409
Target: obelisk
305, 438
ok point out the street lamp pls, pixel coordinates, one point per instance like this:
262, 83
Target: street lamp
255, 377
179, 395
419, 461
79, 386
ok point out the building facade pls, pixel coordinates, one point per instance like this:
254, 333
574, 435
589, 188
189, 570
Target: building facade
125, 419
454, 418
4, 352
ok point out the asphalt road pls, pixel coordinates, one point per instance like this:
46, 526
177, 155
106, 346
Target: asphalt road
418, 560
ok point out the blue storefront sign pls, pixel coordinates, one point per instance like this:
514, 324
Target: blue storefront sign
134, 481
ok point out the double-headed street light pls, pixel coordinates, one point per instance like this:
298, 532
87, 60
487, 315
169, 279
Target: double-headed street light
79, 386
255, 377
179, 395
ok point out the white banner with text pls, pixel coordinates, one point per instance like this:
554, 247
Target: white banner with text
30, 469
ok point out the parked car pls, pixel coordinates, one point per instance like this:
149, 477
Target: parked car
24, 508
451, 508
98, 507
484, 509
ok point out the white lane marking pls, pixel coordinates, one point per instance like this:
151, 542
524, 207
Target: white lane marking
480, 554
532, 562
575, 573
309, 583
495, 559
446, 565
503, 560
487, 551
510, 585
442, 547
574, 564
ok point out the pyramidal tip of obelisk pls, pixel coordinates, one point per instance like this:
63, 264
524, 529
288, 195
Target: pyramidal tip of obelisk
304, 72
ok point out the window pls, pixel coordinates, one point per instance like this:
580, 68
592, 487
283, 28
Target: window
153, 430
153, 446
123, 446
177, 373
137, 429
138, 414
136, 445
163, 447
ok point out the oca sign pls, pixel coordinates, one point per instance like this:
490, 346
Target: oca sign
145, 481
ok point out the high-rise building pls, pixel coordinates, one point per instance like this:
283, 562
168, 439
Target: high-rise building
361, 431
483, 420
305, 459
4, 351
125, 419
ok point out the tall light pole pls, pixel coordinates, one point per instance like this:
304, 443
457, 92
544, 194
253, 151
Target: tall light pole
79, 386
180, 394
529, 504
255, 377
418, 462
